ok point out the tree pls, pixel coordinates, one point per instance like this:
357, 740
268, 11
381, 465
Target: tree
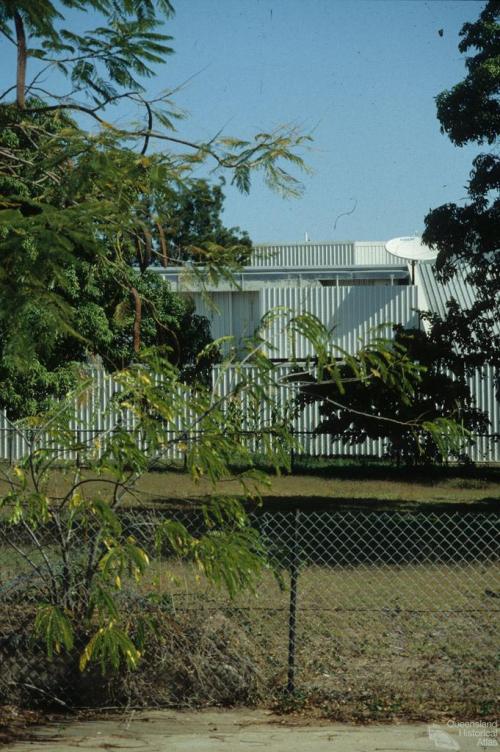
81, 208
371, 408
104, 320
100, 197
99, 287
80, 560
99, 62
467, 236
69, 533
192, 217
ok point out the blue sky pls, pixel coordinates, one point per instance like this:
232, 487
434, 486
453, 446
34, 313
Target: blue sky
361, 77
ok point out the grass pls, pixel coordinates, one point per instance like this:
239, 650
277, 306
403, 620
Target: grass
377, 642
332, 484
374, 641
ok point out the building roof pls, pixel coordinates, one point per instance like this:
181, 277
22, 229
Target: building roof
436, 294
301, 263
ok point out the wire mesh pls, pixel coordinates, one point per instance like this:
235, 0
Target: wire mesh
390, 610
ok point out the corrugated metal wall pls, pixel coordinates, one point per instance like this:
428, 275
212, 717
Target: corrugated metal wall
482, 386
350, 312
320, 255
232, 313
303, 255
369, 253
95, 421
437, 294
486, 448
304, 423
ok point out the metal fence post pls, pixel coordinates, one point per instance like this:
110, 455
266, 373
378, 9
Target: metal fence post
292, 614
78, 446
292, 449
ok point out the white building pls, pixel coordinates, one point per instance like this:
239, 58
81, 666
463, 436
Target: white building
352, 287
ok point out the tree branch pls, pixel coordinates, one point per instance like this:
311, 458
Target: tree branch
21, 61
408, 423
10, 38
92, 112
137, 318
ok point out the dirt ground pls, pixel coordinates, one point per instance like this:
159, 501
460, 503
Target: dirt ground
245, 730
18, 724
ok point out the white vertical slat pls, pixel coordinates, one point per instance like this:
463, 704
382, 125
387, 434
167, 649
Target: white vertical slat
297, 255
371, 253
351, 313
92, 415
234, 313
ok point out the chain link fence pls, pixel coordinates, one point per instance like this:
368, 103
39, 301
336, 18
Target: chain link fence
361, 612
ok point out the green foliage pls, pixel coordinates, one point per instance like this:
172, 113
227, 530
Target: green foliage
265, 153
102, 326
109, 646
83, 576
470, 111
54, 627
230, 558
72, 294
100, 62
396, 390
192, 220
466, 236
80, 208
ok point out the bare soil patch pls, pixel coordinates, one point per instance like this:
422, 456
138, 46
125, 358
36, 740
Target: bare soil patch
17, 723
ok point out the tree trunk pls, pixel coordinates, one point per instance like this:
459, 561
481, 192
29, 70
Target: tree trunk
137, 319
148, 247
163, 245
21, 61
143, 249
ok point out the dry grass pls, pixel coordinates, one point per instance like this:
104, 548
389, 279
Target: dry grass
372, 642
159, 487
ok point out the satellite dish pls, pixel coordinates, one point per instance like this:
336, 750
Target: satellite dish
411, 249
